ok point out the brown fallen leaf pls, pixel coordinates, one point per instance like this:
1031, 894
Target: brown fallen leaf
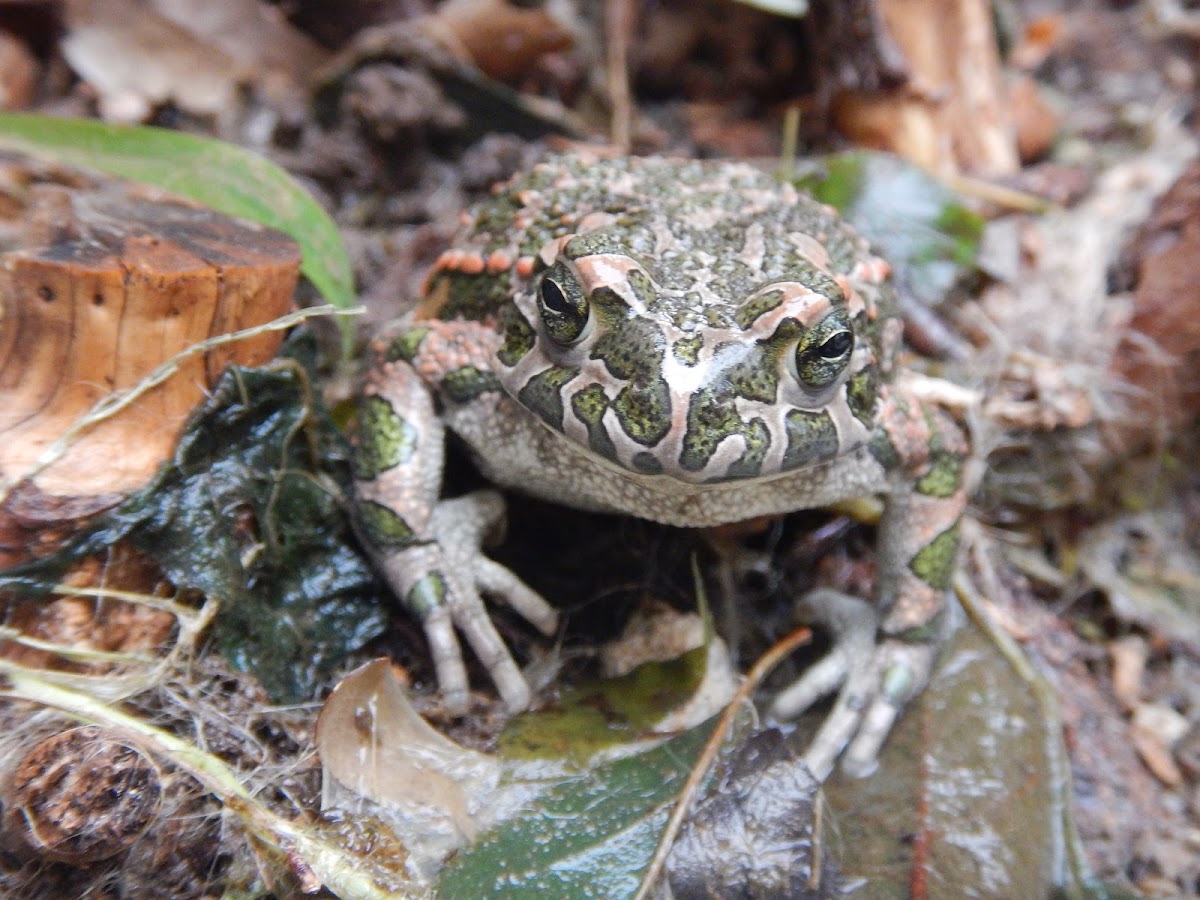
378, 755
1154, 730
137, 54
1039, 38
1159, 358
503, 40
18, 73
1035, 122
1128, 656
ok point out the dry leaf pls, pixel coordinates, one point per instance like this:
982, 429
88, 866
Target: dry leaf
378, 754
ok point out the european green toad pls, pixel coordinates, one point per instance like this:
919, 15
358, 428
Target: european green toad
689, 342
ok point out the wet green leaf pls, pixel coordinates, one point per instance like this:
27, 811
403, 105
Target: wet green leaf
227, 178
599, 714
590, 835
251, 510
913, 220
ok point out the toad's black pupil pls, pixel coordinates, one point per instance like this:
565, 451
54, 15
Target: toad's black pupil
553, 298
837, 345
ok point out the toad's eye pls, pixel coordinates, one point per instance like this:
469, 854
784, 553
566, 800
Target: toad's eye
837, 346
824, 351
562, 305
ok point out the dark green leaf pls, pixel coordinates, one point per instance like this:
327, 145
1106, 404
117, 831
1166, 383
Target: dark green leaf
252, 510
592, 835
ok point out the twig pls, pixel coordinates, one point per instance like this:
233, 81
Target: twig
704, 763
1004, 197
324, 863
618, 23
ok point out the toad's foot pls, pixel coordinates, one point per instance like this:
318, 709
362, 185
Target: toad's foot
442, 581
875, 679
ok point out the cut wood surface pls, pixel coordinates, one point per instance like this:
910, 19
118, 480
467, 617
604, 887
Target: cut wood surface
99, 286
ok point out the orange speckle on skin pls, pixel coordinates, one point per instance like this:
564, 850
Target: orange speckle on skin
472, 264
498, 263
451, 259
525, 266
844, 284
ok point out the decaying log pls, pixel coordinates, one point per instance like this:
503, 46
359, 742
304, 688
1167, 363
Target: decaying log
99, 286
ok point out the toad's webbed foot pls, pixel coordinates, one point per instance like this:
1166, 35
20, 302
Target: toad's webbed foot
874, 679
442, 582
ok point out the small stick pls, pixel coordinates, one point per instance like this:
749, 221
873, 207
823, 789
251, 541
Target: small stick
704, 762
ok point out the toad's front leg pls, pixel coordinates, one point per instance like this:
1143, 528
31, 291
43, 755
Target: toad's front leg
884, 653
429, 549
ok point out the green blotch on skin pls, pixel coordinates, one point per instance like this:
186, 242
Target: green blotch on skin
943, 478
633, 350
630, 348
466, 383
758, 441
861, 392
921, 634
426, 595
898, 683
812, 438
518, 336
474, 296
542, 395
646, 463
644, 410
406, 346
757, 376
643, 287
382, 527
589, 406
590, 244
884, 451
934, 563
687, 350
385, 439
712, 419
749, 312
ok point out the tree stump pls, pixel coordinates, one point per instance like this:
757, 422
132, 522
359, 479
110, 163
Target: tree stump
100, 284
